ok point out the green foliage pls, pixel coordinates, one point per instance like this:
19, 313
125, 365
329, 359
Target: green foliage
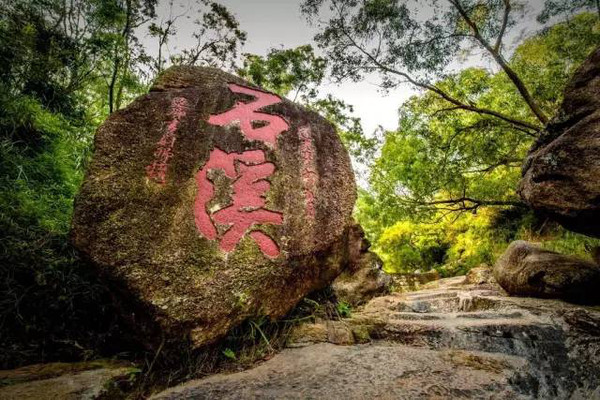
229, 353
343, 309
436, 177
285, 71
298, 72
45, 292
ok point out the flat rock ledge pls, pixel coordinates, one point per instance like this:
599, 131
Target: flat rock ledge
453, 339
65, 381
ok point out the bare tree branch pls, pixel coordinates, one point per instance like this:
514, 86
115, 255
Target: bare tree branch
468, 203
512, 75
435, 89
504, 25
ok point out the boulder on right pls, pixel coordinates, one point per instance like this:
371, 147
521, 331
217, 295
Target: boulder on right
528, 270
560, 174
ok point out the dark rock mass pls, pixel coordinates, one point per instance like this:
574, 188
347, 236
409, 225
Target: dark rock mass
364, 278
209, 201
528, 270
560, 174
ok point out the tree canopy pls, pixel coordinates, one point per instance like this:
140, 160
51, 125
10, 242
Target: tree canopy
442, 162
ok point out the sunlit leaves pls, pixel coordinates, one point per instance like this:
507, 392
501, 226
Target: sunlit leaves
440, 155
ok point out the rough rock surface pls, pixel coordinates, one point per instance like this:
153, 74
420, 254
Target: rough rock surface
528, 270
364, 278
378, 371
456, 340
479, 275
560, 175
209, 201
359, 286
63, 381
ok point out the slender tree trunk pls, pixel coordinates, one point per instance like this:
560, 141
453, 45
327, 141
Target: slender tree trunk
119, 99
113, 81
117, 59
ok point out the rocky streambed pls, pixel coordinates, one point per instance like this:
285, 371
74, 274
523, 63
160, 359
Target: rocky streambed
456, 338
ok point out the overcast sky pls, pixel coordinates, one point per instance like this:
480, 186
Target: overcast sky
278, 23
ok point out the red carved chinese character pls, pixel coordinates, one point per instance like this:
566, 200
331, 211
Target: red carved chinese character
157, 171
245, 113
310, 177
250, 170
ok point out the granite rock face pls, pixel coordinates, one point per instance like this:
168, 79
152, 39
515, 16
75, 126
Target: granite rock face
560, 174
528, 270
479, 275
66, 381
457, 340
209, 201
364, 278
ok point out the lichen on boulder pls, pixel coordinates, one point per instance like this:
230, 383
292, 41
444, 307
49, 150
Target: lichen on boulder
209, 201
364, 278
560, 174
528, 270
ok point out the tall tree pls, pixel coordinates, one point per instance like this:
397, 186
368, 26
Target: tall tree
445, 181
390, 37
120, 19
457, 160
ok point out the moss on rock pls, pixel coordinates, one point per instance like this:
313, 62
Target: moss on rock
141, 234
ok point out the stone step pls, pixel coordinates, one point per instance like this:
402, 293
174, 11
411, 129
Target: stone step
514, 335
559, 339
449, 304
485, 315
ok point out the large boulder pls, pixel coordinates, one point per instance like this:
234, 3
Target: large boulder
560, 175
528, 270
209, 201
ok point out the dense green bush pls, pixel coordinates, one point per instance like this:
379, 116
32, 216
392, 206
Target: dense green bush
50, 306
